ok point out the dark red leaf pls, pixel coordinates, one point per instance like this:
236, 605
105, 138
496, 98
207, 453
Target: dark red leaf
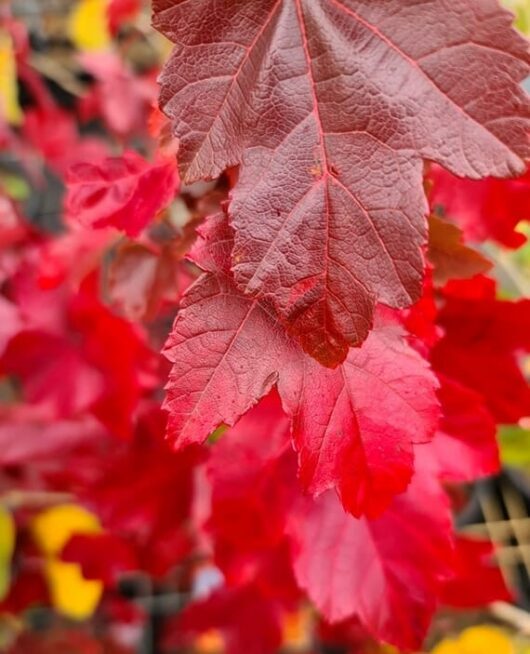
451, 258
330, 106
343, 438
142, 279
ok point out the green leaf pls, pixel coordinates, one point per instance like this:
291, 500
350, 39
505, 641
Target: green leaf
514, 442
217, 434
14, 186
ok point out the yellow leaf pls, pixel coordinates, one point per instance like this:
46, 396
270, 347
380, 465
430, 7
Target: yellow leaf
7, 546
477, 640
483, 640
72, 594
447, 647
9, 107
53, 527
88, 25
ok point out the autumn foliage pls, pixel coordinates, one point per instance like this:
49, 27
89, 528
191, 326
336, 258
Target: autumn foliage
262, 344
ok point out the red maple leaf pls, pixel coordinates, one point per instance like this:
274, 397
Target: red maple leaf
366, 568
483, 337
126, 192
450, 257
104, 556
342, 437
28, 434
54, 133
478, 581
484, 209
247, 622
349, 567
143, 493
52, 372
465, 446
330, 106
119, 97
145, 277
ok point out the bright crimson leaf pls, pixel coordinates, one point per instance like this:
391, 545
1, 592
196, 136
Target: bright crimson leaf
65, 366
102, 556
54, 133
330, 106
483, 338
351, 568
367, 568
485, 209
52, 372
143, 492
478, 581
248, 474
343, 438
121, 11
420, 319
252, 471
465, 446
125, 192
496, 376
473, 316
244, 621
10, 322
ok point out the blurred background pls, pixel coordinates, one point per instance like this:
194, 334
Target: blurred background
77, 83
